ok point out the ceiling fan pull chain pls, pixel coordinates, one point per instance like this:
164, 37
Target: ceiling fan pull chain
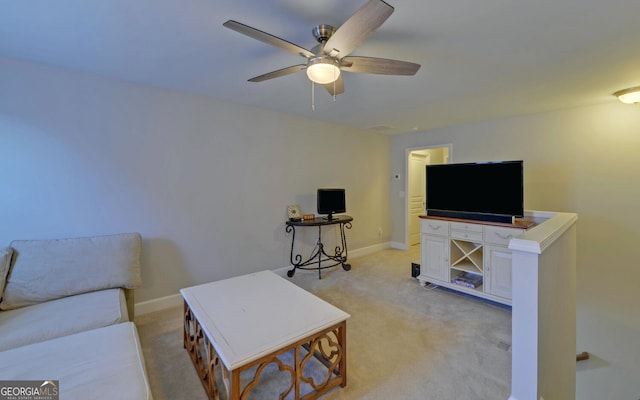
334, 85
313, 96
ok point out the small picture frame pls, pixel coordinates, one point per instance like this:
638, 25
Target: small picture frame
294, 213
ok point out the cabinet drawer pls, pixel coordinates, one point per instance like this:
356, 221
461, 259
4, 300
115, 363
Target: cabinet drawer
461, 226
434, 227
502, 236
466, 235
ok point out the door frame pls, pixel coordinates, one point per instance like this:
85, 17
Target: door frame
408, 150
423, 158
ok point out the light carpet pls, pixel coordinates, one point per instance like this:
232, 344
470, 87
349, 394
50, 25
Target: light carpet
403, 341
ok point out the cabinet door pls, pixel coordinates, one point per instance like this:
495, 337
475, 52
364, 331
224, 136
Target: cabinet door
434, 257
497, 271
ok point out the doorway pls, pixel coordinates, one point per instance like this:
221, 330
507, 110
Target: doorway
417, 159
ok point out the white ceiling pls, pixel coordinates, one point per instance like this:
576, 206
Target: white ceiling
480, 59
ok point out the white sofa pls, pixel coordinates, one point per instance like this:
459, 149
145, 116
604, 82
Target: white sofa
66, 313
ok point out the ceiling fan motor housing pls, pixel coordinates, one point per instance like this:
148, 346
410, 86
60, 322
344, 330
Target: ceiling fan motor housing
323, 32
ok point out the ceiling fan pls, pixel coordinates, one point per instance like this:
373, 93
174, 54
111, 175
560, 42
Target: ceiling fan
331, 55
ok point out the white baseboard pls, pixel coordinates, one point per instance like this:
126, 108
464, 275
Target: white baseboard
159, 304
175, 300
363, 251
399, 246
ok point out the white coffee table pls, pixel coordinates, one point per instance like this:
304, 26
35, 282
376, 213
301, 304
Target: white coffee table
253, 320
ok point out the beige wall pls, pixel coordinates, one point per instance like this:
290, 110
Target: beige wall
583, 160
206, 183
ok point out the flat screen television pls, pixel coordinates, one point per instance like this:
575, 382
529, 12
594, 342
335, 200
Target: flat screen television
331, 201
490, 191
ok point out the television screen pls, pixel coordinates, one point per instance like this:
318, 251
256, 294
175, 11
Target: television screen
492, 191
331, 201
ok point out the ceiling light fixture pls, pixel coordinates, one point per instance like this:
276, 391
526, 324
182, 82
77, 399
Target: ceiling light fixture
629, 96
323, 70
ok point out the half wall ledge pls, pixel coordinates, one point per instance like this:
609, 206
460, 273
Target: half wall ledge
544, 309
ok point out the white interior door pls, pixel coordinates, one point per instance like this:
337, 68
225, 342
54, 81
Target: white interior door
416, 189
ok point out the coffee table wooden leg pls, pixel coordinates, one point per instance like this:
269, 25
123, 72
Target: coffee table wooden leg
342, 340
235, 385
298, 370
211, 378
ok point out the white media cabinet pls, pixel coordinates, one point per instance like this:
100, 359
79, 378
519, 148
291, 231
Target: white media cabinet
543, 300
450, 247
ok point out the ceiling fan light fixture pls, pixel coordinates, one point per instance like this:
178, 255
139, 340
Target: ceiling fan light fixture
323, 70
629, 96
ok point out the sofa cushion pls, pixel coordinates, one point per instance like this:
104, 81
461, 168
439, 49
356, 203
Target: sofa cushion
61, 317
5, 262
104, 363
43, 270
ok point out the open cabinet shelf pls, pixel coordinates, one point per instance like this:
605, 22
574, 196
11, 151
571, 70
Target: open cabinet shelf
466, 256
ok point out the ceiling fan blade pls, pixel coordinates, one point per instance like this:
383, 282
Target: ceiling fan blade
267, 38
357, 28
339, 87
374, 65
279, 73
